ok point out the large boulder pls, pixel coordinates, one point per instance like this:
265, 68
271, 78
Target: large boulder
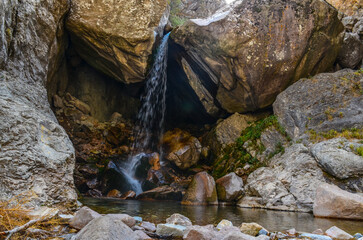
181, 148
245, 55
227, 131
289, 182
117, 37
324, 102
229, 187
333, 202
338, 157
201, 191
109, 227
36, 153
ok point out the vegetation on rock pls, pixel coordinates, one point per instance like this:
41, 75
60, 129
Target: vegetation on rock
237, 156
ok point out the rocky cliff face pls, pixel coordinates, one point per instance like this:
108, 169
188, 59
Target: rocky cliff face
117, 37
240, 58
36, 154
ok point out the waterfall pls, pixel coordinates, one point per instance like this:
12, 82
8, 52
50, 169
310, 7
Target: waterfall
150, 119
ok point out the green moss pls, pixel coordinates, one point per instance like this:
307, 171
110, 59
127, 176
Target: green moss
353, 133
236, 156
176, 17
359, 151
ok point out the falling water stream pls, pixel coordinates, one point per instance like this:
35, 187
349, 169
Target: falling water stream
150, 118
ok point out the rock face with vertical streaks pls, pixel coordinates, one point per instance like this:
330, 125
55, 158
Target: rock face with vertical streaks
243, 56
36, 155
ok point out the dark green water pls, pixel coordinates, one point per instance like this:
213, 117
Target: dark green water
158, 211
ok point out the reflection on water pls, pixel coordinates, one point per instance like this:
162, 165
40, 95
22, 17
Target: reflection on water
158, 211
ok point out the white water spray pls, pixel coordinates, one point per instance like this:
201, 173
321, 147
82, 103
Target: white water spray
150, 119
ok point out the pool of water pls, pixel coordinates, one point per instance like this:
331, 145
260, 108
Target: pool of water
158, 211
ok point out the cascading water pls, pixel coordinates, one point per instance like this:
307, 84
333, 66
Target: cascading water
150, 118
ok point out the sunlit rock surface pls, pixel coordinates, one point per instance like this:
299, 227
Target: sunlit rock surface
247, 54
117, 37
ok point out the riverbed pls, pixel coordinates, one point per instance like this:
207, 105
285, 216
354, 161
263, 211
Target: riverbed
158, 211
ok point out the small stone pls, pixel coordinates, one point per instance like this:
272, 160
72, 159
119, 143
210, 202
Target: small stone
127, 219
224, 223
128, 195
315, 236
262, 237
337, 233
138, 219
179, 219
170, 230
318, 231
148, 226
114, 193
263, 232
250, 228
82, 217
291, 231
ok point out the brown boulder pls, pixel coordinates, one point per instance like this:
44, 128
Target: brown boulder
245, 55
117, 37
201, 191
333, 202
229, 187
181, 148
114, 193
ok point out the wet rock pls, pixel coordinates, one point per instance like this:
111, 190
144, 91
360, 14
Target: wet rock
181, 148
227, 131
337, 233
229, 187
230, 48
161, 193
170, 230
263, 232
250, 228
224, 223
322, 103
82, 217
148, 226
333, 202
114, 193
315, 236
129, 195
179, 219
108, 227
201, 191
120, 35
336, 160
288, 183
94, 193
